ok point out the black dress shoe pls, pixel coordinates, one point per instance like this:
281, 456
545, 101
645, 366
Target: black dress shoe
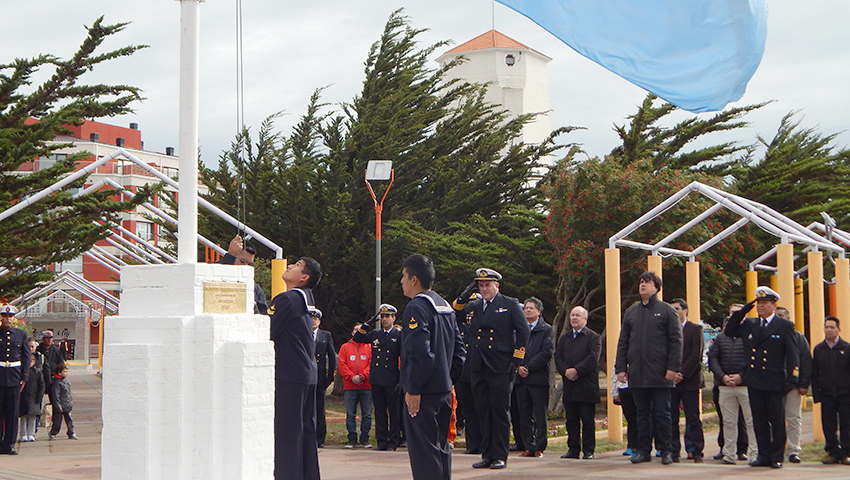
759, 463
516, 449
697, 458
728, 462
794, 458
570, 455
11, 451
776, 465
640, 457
587, 456
482, 464
471, 452
742, 456
667, 458
719, 456
498, 464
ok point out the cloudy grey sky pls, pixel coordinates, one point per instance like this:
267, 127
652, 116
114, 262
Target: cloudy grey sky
292, 47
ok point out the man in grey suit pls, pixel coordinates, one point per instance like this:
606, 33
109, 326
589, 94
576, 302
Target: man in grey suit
577, 360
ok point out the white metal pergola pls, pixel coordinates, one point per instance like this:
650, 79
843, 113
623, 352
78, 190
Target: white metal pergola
787, 230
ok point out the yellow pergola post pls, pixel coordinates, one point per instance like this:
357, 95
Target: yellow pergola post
751, 281
612, 336
785, 272
842, 288
653, 264
817, 313
799, 308
693, 299
278, 285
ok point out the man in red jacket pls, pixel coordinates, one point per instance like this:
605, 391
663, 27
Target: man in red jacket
354, 361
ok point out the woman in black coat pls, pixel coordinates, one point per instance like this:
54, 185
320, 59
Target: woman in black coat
31, 397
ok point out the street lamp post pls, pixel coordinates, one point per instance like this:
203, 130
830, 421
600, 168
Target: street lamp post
379, 170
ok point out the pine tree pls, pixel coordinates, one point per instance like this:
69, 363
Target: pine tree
800, 175
461, 191
59, 227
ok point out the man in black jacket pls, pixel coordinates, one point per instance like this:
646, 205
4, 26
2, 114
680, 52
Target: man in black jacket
773, 368
831, 387
726, 362
689, 382
532, 382
649, 355
577, 360
326, 362
384, 375
500, 335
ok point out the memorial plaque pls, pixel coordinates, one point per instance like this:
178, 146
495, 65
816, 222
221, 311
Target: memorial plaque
224, 297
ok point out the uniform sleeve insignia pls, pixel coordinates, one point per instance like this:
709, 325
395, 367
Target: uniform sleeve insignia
271, 310
519, 352
412, 323
796, 372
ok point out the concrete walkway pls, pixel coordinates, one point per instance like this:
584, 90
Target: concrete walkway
64, 459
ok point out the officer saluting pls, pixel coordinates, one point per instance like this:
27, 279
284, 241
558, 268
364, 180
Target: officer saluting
497, 347
383, 374
14, 372
770, 370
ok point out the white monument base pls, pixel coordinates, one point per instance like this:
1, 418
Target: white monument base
187, 394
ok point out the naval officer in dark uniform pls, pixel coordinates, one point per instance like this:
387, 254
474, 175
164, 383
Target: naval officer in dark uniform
326, 363
296, 456
463, 386
14, 372
499, 336
432, 357
383, 374
770, 370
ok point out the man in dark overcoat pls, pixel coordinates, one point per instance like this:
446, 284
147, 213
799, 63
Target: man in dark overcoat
649, 355
577, 360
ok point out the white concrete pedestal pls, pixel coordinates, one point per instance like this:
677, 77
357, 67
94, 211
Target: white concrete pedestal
186, 394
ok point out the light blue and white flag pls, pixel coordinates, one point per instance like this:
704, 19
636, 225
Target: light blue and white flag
696, 54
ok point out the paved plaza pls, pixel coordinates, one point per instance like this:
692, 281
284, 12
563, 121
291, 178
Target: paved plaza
78, 460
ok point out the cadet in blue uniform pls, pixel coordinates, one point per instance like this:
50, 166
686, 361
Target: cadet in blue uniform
496, 349
771, 369
296, 454
326, 363
431, 359
383, 374
14, 372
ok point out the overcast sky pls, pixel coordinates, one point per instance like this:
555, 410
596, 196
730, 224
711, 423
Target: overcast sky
293, 47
